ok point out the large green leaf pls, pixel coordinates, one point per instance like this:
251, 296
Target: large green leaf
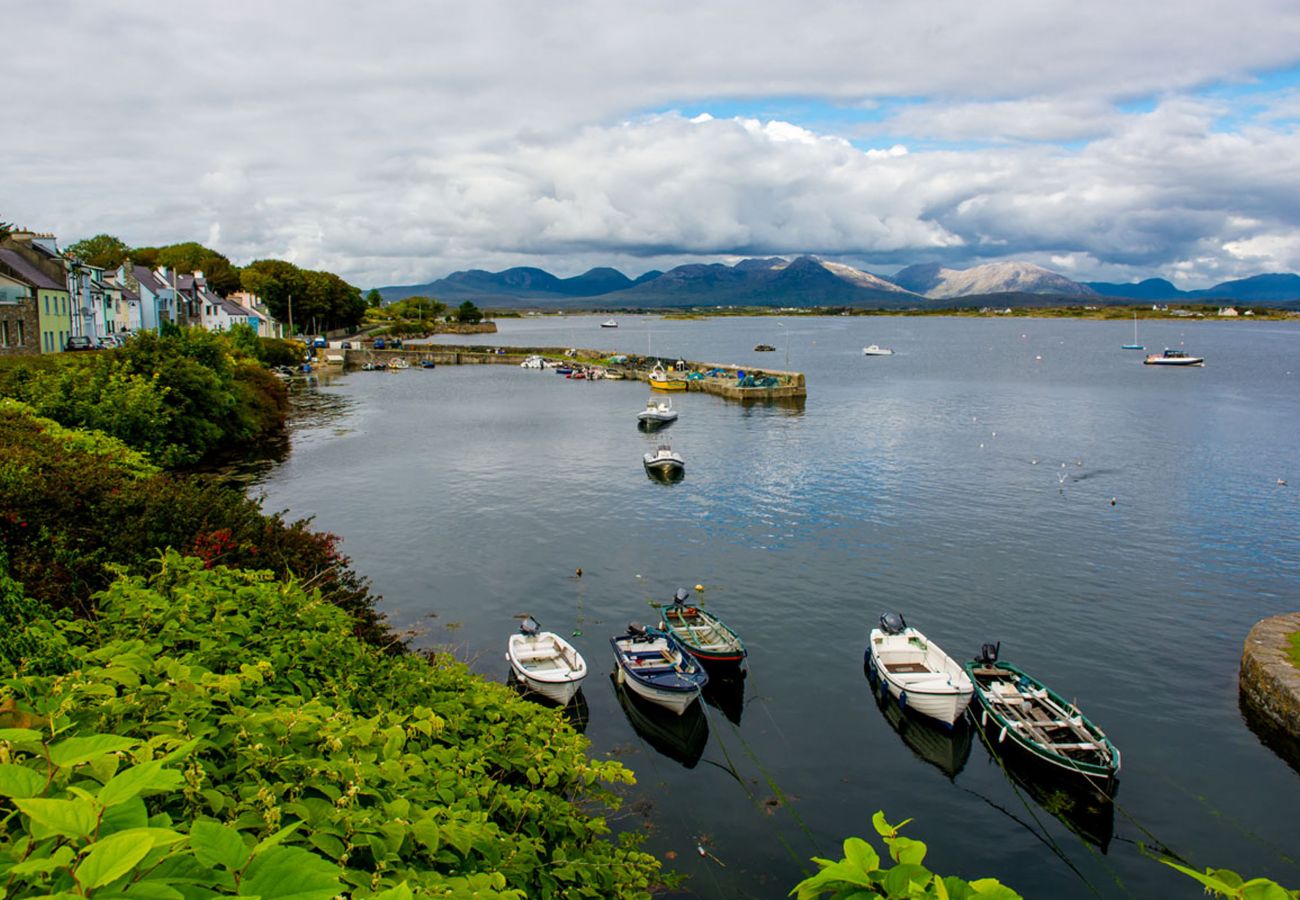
20, 781
20, 735
150, 776
70, 818
80, 749
111, 858
290, 873
60, 858
219, 845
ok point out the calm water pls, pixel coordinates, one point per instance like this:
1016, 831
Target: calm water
471, 494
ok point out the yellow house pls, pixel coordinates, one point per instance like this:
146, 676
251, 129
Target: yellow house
34, 261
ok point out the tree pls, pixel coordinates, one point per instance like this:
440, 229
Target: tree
276, 282
222, 277
373, 299
469, 314
102, 250
421, 308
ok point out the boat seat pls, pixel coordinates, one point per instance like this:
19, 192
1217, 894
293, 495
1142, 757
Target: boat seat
920, 678
530, 655
906, 667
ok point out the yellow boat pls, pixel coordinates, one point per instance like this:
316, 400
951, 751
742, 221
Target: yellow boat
660, 380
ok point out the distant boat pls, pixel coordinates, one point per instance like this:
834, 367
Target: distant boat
662, 380
398, 362
764, 348
657, 413
655, 665
609, 323
545, 662
1173, 358
1021, 708
1135, 345
708, 638
917, 673
664, 461
876, 350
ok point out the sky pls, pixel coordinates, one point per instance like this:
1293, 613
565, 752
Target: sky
396, 141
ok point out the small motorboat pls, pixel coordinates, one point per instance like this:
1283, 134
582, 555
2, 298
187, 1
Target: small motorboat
764, 348
877, 350
564, 370
533, 362
704, 635
1018, 706
398, 362
545, 663
658, 412
428, 364
918, 674
655, 665
1173, 358
662, 380
664, 461
609, 323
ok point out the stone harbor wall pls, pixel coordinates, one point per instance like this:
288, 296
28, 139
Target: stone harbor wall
1270, 682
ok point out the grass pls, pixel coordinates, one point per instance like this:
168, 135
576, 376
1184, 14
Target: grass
1294, 650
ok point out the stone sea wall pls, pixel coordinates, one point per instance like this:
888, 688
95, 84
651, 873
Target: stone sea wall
1270, 684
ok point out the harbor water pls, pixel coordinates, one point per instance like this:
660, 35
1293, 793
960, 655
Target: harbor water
1117, 527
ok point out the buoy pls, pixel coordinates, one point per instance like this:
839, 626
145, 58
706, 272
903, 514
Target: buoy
578, 571
1112, 501
1002, 735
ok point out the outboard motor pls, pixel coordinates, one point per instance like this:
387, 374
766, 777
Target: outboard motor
638, 632
989, 654
892, 623
679, 598
529, 626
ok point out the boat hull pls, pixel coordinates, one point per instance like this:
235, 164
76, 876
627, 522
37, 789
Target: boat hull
1000, 685
546, 664
919, 675
658, 668
1188, 361
667, 384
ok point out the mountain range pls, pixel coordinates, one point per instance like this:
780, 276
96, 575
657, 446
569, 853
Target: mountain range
809, 281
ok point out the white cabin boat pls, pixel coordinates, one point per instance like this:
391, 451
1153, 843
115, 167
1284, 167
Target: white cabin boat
533, 362
609, 323
877, 350
546, 663
658, 411
1174, 358
917, 673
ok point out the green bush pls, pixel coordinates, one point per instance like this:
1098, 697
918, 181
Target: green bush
222, 733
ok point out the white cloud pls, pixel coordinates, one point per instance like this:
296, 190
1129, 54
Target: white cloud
400, 140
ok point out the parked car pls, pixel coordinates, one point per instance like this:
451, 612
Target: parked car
379, 343
79, 342
107, 342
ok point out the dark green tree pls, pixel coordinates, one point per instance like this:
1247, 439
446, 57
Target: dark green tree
278, 283
373, 299
469, 314
103, 250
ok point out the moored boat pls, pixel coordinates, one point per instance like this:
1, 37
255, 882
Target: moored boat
876, 350
1173, 358
916, 672
655, 665
1017, 706
704, 635
545, 662
664, 461
658, 411
1135, 345
609, 323
662, 380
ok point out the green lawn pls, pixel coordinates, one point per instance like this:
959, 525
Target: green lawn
1294, 650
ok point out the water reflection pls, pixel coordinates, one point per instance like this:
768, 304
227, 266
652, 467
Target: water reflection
946, 750
725, 691
576, 713
1076, 801
680, 738
652, 425
1284, 744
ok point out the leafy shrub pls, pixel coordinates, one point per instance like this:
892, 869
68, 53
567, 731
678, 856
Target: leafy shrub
74, 504
222, 733
1227, 883
860, 875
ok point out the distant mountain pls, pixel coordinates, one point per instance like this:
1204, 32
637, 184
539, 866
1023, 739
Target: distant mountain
1278, 287
1150, 289
940, 283
518, 283
809, 281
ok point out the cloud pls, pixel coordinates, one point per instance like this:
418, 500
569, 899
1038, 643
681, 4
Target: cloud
403, 139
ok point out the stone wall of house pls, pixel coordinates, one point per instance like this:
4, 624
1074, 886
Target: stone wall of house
20, 329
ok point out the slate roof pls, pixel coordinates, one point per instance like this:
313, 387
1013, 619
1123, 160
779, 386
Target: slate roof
146, 277
28, 272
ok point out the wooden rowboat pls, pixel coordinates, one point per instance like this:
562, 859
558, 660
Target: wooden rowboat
1017, 706
704, 635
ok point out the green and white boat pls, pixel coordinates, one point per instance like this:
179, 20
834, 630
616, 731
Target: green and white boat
1017, 706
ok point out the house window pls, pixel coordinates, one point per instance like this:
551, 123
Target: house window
47, 304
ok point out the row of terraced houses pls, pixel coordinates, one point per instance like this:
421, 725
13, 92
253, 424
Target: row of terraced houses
47, 299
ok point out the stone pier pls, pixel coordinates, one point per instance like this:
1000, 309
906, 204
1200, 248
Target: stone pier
1270, 685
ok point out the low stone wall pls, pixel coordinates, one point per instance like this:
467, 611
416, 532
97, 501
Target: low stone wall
1269, 681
